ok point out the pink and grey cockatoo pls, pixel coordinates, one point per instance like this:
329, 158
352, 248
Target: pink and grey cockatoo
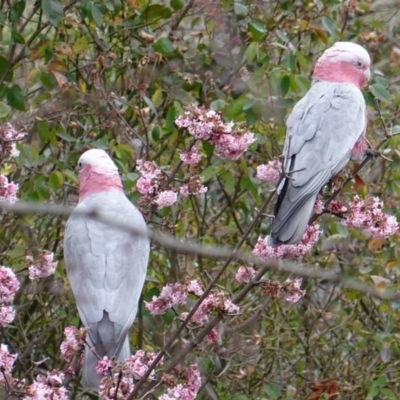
106, 266
324, 129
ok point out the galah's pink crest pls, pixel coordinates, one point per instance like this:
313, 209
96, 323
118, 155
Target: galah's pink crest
322, 130
106, 266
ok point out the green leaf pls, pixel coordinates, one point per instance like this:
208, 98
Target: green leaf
17, 37
241, 10
16, 11
177, 4
285, 84
236, 108
56, 180
71, 176
15, 98
97, 15
328, 25
253, 52
31, 153
155, 12
4, 110
273, 390
164, 46
53, 10
44, 131
257, 30
4, 68
210, 172
303, 82
66, 136
381, 93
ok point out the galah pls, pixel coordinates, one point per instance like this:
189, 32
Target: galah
325, 128
106, 265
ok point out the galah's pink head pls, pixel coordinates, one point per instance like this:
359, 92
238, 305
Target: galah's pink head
97, 173
344, 62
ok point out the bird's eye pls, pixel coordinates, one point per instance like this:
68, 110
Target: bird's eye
80, 164
359, 64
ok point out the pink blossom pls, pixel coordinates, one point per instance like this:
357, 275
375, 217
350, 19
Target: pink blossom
337, 207
9, 285
271, 171
191, 157
368, 215
8, 136
311, 236
148, 169
232, 146
146, 186
7, 360
44, 268
7, 315
8, 190
293, 291
104, 365
208, 125
195, 286
319, 206
108, 386
49, 387
171, 295
74, 342
166, 198
212, 336
245, 274
139, 363
189, 389
194, 187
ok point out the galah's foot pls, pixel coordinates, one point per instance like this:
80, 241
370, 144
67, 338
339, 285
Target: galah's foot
373, 153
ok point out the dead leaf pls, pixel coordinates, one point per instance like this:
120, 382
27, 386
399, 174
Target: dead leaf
394, 58
60, 78
375, 244
380, 282
358, 183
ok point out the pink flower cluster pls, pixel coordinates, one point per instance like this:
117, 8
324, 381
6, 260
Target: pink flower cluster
74, 342
191, 157
367, 214
149, 185
8, 190
7, 361
171, 295
263, 250
8, 137
319, 206
49, 387
9, 285
134, 367
176, 294
193, 186
44, 268
187, 390
216, 301
206, 124
270, 172
109, 386
292, 290
245, 274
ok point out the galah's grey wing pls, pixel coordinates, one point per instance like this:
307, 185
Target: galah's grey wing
321, 131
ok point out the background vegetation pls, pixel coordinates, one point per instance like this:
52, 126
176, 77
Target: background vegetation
115, 75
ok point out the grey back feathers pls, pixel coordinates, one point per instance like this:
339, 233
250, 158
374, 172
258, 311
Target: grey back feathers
107, 268
321, 132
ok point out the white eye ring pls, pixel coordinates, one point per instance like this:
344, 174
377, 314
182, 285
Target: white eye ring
359, 64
